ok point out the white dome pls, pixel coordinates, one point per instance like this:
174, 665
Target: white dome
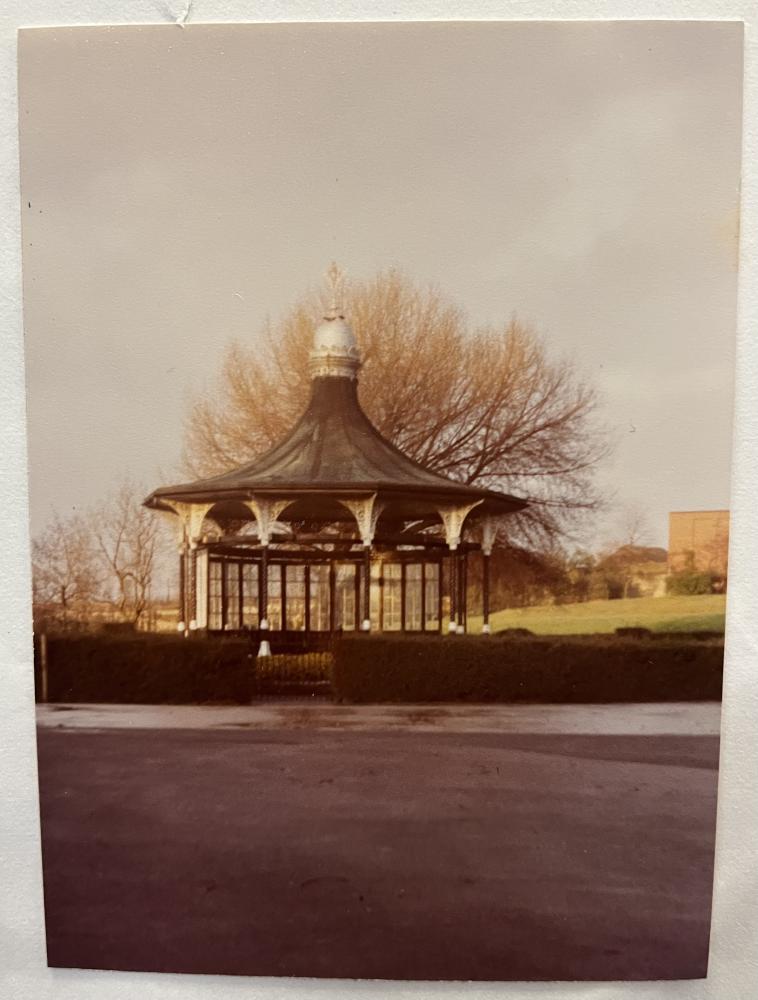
335, 336
335, 349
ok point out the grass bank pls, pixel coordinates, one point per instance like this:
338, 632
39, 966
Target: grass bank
659, 614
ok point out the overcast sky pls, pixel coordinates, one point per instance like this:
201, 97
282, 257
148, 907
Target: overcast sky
181, 185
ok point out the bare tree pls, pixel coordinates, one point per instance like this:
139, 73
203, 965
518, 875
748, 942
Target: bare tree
633, 525
486, 407
65, 573
127, 539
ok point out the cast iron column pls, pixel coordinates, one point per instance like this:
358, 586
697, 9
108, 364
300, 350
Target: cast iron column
264, 649
192, 612
366, 623
461, 619
452, 625
182, 626
486, 593
332, 596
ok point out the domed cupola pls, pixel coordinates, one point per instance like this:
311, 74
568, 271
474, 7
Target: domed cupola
335, 349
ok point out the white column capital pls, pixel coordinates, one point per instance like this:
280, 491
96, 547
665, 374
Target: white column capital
266, 511
175, 524
453, 516
489, 533
191, 516
366, 512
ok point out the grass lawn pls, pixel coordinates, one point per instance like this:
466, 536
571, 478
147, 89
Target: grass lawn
660, 614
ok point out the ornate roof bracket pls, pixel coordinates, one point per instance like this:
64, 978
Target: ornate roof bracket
489, 534
266, 512
366, 513
175, 525
191, 516
453, 517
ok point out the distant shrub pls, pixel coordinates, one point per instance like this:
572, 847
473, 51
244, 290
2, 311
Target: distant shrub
540, 669
689, 582
515, 633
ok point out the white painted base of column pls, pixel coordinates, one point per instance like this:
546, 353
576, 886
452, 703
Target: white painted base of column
486, 630
264, 649
460, 630
264, 625
193, 625
181, 627
452, 628
365, 625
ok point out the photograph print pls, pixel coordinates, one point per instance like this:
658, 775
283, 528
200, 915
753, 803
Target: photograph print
379, 385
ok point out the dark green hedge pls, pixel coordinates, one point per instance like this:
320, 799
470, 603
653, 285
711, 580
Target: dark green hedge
170, 670
150, 669
541, 669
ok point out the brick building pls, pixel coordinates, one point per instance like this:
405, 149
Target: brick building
699, 540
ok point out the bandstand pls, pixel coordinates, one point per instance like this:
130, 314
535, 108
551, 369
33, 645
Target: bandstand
333, 529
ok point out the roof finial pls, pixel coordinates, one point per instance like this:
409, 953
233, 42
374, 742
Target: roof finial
336, 280
335, 349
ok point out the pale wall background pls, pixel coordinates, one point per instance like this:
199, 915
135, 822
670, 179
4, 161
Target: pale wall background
23, 974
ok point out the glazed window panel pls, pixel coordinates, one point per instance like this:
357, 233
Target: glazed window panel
275, 597
393, 591
295, 598
215, 608
232, 573
344, 596
250, 595
431, 596
403, 596
319, 597
413, 584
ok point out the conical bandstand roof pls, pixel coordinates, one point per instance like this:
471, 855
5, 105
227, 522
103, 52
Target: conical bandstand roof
334, 453
335, 450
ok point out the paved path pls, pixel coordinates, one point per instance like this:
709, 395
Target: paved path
649, 719
382, 850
